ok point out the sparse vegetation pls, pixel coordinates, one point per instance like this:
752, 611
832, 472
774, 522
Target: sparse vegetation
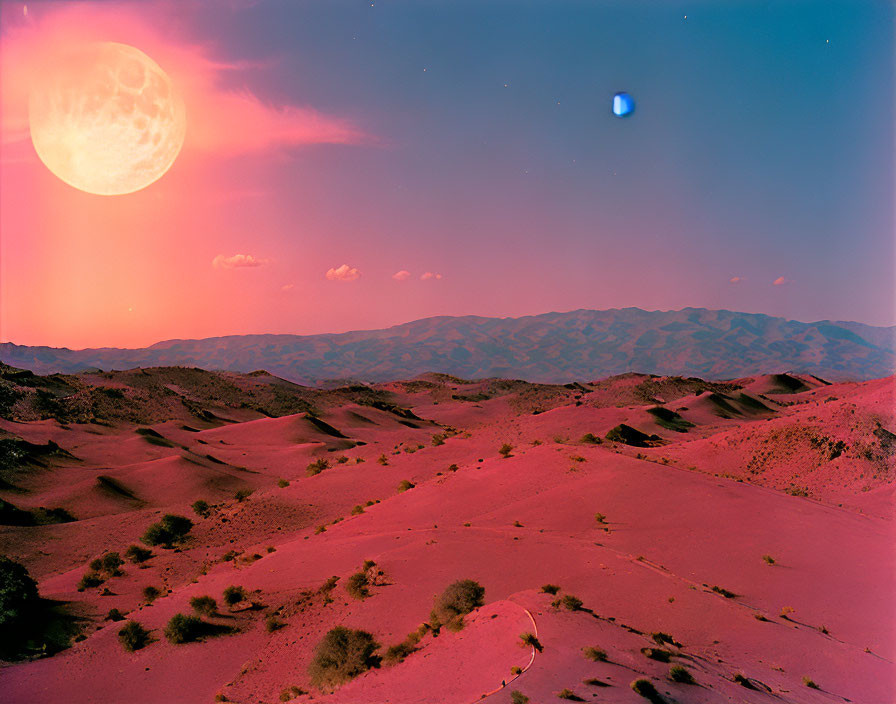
383, 460
458, 599
568, 602
724, 592
595, 654
273, 623
133, 636
505, 450
233, 595
517, 697
343, 654
661, 638
769, 560
183, 629
283, 483
151, 593
680, 674
600, 518
204, 605
201, 508
170, 530
531, 640
396, 653
404, 485
569, 695
18, 594
243, 494
550, 588
810, 683
317, 467
656, 654
357, 510
591, 439
358, 585
114, 615
137, 554
646, 689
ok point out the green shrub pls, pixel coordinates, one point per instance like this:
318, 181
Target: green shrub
458, 599
595, 654
133, 636
151, 593
531, 640
171, 529
677, 673
357, 585
183, 629
343, 654
137, 554
201, 508
550, 588
18, 594
233, 595
204, 605
317, 467
90, 579
646, 689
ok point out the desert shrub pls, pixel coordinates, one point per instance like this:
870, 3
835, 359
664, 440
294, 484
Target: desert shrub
114, 615
273, 623
137, 554
18, 593
396, 653
600, 518
343, 653
809, 683
357, 585
183, 629
505, 450
656, 654
569, 695
201, 508
724, 592
133, 636
769, 560
531, 640
316, 467
677, 673
405, 485
233, 595
591, 439
151, 593
646, 689
517, 697
243, 494
111, 563
458, 599
569, 602
595, 654
171, 529
452, 467
342, 459
320, 529
204, 605
437, 440
383, 460
661, 638
357, 510
90, 579
290, 693
283, 483
550, 588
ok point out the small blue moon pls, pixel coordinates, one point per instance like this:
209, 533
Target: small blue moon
623, 105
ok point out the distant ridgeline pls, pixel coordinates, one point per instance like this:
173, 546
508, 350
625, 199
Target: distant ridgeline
553, 347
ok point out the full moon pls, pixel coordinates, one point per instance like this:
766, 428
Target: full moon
106, 119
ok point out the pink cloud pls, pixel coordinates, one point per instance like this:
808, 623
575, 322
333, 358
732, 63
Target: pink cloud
343, 273
223, 120
238, 261
287, 287
429, 275
780, 281
402, 275
735, 280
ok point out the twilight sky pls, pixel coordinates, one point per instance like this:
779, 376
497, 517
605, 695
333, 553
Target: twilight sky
355, 165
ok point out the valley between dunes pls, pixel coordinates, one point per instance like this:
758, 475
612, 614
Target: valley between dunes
657, 532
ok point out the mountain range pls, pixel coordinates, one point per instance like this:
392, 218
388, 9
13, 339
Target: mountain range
551, 347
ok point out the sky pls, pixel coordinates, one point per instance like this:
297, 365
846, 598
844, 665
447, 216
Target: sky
355, 165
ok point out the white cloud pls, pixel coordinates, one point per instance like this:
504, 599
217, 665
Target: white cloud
426, 276
343, 273
238, 261
402, 275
